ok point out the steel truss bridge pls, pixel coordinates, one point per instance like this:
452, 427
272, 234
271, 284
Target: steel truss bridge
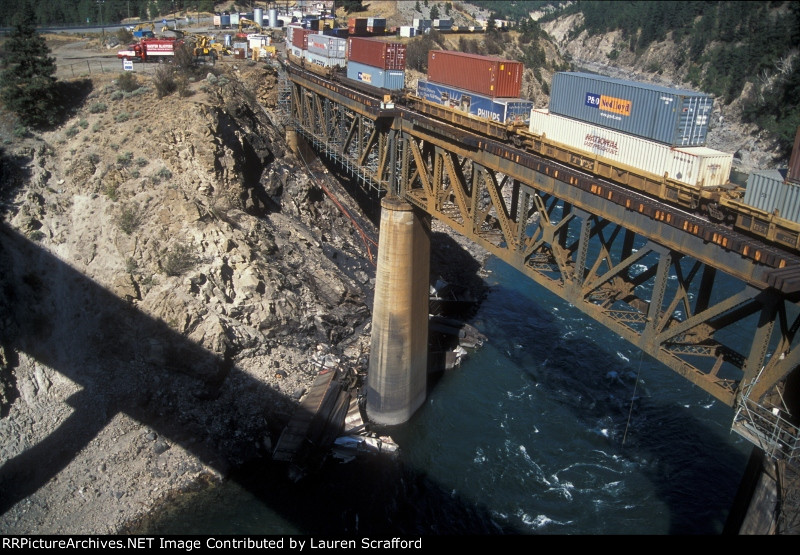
720, 309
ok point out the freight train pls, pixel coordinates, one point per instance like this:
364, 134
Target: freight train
649, 138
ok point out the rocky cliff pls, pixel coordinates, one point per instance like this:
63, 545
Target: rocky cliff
173, 276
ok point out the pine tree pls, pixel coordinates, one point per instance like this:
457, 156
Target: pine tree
27, 82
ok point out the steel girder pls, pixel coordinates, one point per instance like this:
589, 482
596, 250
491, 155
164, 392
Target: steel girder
708, 314
344, 132
716, 331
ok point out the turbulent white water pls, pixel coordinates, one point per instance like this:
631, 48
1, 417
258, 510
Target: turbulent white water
554, 426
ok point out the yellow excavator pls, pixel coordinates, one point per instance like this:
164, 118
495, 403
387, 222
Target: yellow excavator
203, 46
245, 23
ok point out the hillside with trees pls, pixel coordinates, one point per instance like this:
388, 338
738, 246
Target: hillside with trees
746, 51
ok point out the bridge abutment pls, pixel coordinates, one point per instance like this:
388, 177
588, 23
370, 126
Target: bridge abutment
398, 362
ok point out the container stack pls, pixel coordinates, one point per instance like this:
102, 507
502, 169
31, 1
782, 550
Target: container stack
376, 26
671, 116
325, 50
694, 166
443, 24
658, 129
486, 87
422, 25
486, 75
375, 62
357, 26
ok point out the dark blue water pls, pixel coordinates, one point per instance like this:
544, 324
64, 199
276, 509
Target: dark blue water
554, 426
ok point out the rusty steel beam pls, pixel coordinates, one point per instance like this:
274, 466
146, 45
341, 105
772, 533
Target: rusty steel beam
650, 273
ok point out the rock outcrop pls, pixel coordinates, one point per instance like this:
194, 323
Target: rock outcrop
171, 271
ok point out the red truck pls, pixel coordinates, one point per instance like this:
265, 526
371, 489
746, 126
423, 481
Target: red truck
150, 50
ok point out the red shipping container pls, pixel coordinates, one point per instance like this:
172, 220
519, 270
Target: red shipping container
376, 53
300, 38
487, 75
357, 22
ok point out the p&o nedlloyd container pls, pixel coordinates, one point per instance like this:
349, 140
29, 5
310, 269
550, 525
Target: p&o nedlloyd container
695, 166
675, 117
487, 75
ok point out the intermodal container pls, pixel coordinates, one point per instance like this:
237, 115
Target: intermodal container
358, 23
341, 32
768, 190
222, 21
694, 166
672, 116
300, 38
392, 79
793, 173
328, 46
290, 31
324, 61
487, 75
376, 53
294, 51
502, 110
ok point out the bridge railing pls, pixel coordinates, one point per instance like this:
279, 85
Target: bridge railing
766, 427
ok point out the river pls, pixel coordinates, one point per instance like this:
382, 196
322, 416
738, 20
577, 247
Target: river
554, 426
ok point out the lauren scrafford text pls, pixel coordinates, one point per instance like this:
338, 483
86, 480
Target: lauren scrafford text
208, 543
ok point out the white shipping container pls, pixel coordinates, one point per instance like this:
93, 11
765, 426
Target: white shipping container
694, 166
408, 31
257, 41
290, 29
328, 46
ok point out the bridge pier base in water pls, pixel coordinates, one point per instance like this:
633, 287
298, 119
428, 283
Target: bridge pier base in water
398, 360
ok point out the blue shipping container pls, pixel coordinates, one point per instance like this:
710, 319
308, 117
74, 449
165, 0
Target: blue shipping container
671, 116
392, 79
503, 110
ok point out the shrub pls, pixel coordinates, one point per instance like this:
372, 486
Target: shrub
72, 131
124, 160
164, 173
179, 260
141, 162
122, 117
111, 191
83, 123
127, 82
129, 219
98, 107
164, 81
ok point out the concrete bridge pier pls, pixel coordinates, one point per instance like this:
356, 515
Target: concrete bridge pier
398, 362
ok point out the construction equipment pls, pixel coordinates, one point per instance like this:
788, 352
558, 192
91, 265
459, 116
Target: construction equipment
150, 50
144, 31
245, 23
201, 47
